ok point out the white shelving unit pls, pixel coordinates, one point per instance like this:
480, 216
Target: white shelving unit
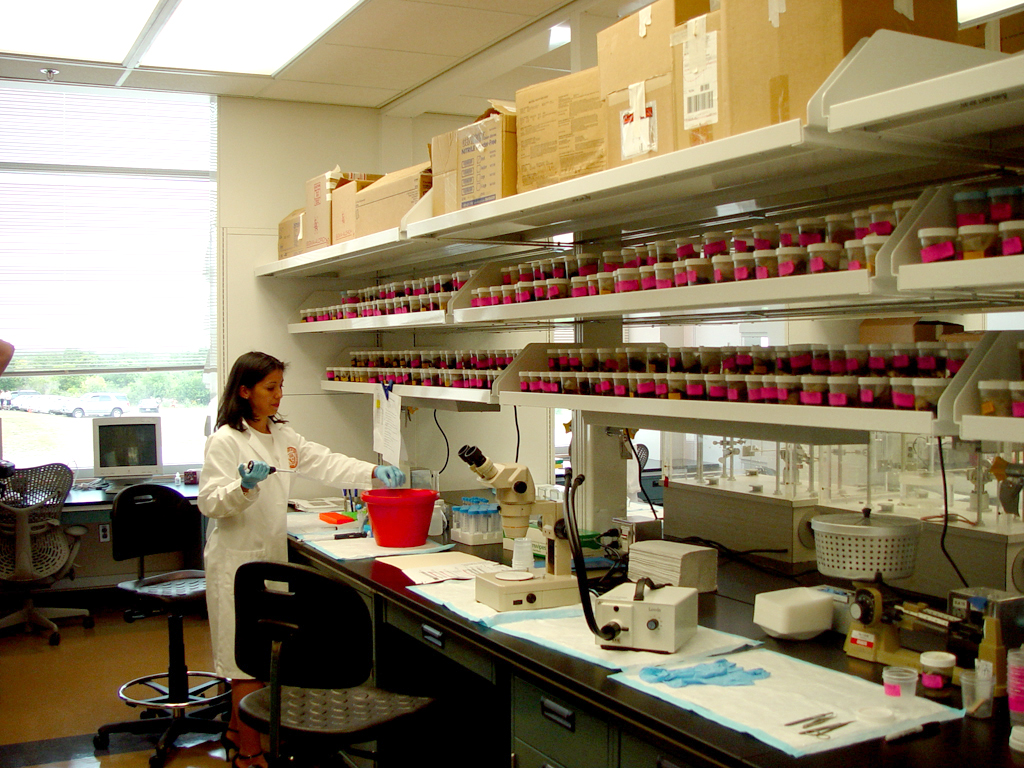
429, 319
438, 398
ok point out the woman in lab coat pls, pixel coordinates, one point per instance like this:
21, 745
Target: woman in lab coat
247, 505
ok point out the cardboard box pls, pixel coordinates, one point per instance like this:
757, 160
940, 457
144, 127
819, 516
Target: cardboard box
902, 330
1011, 34
319, 192
701, 85
383, 203
444, 155
289, 234
343, 208
782, 53
641, 121
445, 192
560, 130
487, 160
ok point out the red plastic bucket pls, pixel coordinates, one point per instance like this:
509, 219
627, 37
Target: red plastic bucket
401, 516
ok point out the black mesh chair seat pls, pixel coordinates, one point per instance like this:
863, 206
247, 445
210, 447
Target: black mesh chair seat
316, 704
148, 520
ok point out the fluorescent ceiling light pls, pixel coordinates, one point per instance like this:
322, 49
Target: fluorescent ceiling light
248, 36
558, 36
98, 30
972, 11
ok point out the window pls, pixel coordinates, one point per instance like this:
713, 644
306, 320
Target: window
107, 260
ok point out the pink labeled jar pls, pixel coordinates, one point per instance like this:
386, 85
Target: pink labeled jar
789, 234
843, 392
875, 391
838, 228
1011, 237
743, 266
699, 271
766, 264
811, 229
824, 257
814, 390
766, 237
715, 243
792, 261
938, 244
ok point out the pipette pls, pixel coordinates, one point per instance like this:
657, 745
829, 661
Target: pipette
249, 466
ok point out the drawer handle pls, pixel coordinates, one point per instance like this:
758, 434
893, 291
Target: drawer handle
558, 714
432, 636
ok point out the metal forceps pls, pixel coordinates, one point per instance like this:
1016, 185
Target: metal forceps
813, 720
823, 731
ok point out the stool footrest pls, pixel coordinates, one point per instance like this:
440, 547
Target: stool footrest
194, 698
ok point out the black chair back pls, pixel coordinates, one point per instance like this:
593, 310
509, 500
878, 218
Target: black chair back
149, 519
322, 623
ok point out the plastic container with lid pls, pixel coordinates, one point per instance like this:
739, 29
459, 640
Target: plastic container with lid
657, 359
606, 283
699, 271
810, 229
938, 244
883, 219
686, 247
1011, 237
856, 359
745, 360
540, 290
931, 359
588, 264
875, 391
843, 391
631, 257
620, 384
838, 228
766, 237
664, 274
636, 358
789, 234
937, 670
660, 385
723, 268
524, 291
645, 386
716, 386
648, 282
861, 223
558, 288
853, 254
836, 360
799, 357
736, 388
676, 386
710, 360
872, 245
979, 241
578, 286
821, 362
611, 260
743, 266
767, 264
813, 390
904, 359
696, 387
755, 388
957, 353
788, 389
728, 359
691, 360
769, 389
995, 397
1004, 204
902, 394
715, 243
927, 393
824, 257
666, 251
679, 272
971, 207
741, 240
902, 207
1017, 399
791, 261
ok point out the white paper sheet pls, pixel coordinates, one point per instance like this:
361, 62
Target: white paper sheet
362, 549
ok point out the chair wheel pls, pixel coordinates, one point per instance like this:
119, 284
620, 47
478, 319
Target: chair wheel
101, 741
129, 616
157, 759
88, 622
54, 638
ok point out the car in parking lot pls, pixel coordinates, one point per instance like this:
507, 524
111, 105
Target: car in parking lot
149, 405
97, 404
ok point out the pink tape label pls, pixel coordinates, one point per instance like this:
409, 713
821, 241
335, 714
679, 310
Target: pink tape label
760, 244
524, 296
742, 273
648, 284
588, 269
1000, 211
740, 246
524, 386
927, 363
744, 360
786, 268
901, 361
881, 227
718, 393
691, 277
812, 398
867, 396
821, 366
852, 365
938, 252
876, 363
695, 390
620, 390
838, 399
891, 689
837, 367
817, 264
718, 275
903, 399
611, 267
661, 283
785, 239
1012, 246
680, 278
644, 387
861, 232
970, 219
684, 251
854, 265
603, 386
809, 238
781, 393
554, 292
633, 263
713, 249
1017, 409
627, 286
577, 292
733, 394
755, 394
796, 362
762, 273
954, 365
660, 389
559, 271
932, 680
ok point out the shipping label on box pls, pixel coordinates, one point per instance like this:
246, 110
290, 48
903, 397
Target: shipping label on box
560, 130
701, 86
289, 234
641, 121
487, 160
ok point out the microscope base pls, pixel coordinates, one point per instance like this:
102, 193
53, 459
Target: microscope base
542, 591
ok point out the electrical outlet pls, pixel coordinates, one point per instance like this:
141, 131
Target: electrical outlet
104, 533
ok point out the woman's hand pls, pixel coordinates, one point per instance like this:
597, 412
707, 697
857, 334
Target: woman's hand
391, 476
252, 477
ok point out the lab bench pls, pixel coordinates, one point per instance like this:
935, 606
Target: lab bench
505, 695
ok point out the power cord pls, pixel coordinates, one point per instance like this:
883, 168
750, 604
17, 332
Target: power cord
742, 556
515, 416
945, 517
447, 448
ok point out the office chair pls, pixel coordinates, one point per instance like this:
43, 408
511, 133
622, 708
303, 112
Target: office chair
313, 645
35, 551
148, 520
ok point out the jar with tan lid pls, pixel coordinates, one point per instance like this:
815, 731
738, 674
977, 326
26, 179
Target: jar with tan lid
792, 261
843, 392
994, 395
927, 393
883, 219
824, 257
979, 241
875, 391
766, 264
743, 266
853, 255
811, 229
766, 237
938, 244
838, 228
814, 390
789, 234
788, 389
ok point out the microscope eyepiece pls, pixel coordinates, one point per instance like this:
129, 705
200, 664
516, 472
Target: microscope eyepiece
472, 455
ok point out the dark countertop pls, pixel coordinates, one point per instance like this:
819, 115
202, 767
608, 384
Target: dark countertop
959, 743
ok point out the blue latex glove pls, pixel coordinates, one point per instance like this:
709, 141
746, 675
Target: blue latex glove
721, 672
251, 478
391, 476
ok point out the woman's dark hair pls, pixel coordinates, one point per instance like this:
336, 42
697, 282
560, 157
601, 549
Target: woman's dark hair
248, 371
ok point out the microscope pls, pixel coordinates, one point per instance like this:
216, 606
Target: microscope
551, 587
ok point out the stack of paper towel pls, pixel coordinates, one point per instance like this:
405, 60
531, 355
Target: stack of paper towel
669, 562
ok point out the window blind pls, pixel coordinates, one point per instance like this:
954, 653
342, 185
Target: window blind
107, 229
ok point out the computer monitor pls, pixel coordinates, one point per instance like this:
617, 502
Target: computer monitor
126, 450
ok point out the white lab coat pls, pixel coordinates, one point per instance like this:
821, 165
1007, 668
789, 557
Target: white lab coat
246, 527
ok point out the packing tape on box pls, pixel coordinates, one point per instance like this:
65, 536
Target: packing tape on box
643, 18
906, 7
775, 9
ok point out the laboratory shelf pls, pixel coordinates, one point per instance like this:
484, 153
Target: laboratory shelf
387, 322
1004, 429
999, 276
749, 298
438, 398
819, 425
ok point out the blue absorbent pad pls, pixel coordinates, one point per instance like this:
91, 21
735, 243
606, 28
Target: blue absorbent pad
791, 690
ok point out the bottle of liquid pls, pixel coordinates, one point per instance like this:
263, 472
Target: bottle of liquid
177, 478
1015, 685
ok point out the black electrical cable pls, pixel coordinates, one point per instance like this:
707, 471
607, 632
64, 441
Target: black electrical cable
447, 448
640, 474
945, 516
515, 415
576, 548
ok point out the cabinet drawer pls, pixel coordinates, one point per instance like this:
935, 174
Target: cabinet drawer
444, 642
528, 757
560, 728
635, 753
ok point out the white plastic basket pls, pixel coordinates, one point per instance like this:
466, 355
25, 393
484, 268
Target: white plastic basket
857, 546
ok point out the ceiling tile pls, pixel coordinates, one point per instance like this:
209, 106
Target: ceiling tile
345, 65
227, 85
505, 85
536, 8
348, 95
74, 74
443, 30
